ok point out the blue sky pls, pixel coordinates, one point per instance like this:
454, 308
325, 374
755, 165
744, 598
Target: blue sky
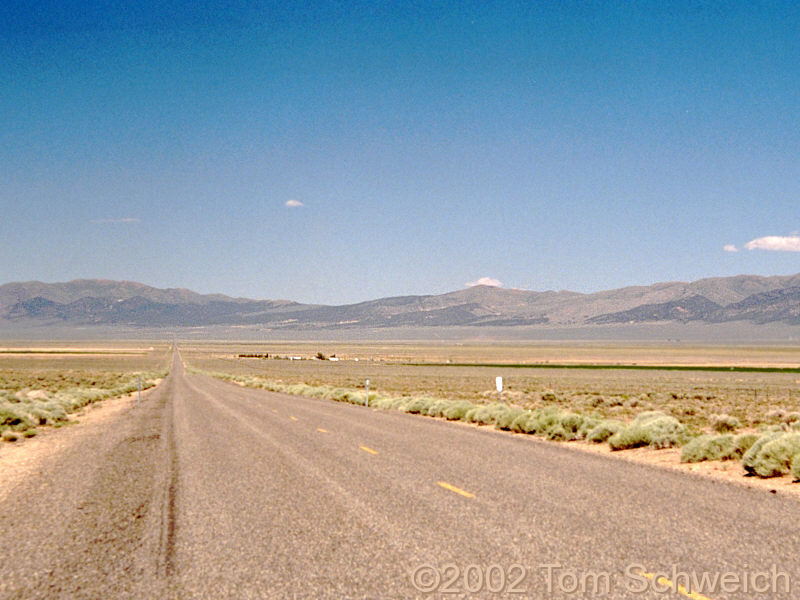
580, 146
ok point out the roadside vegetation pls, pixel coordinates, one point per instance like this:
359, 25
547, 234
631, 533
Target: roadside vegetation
768, 453
44, 389
708, 413
735, 399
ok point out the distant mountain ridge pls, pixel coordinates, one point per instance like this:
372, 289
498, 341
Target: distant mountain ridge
87, 302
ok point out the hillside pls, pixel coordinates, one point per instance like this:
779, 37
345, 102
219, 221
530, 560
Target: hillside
89, 302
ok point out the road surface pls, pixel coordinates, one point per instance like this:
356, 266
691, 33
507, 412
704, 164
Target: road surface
213, 491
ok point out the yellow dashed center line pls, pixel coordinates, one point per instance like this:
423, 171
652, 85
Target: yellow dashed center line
453, 488
293, 418
663, 581
321, 430
370, 450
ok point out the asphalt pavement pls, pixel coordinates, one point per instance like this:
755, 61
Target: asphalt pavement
210, 490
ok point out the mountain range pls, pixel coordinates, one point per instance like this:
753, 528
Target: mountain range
88, 302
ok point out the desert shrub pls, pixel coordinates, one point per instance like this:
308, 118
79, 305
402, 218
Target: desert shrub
13, 416
526, 423
782, 428
633, 436
650, 428
742, 443
560, 433
774, 458
31, 408
750, 457
647, 416
588, 424
725, 424
776, 413
48, 414
664, 432
475, 414
506, 419
471, 414
486, 414
633, 403
362, 398
401, 403
417, 405
295, 388
436, 407
10, 436
344, 395
604, 430
792, 418
431, 404
796, 467
500, 413
548, 418
709, 447
571, 424
696, 450
385, 403
457, 411
323, 391
520, 422
549, 396
328, 393
428, 404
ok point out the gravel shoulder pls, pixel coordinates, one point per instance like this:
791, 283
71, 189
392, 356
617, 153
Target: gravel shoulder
82, 505
26, 458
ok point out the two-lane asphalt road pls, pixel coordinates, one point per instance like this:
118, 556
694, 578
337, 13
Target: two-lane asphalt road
211, 490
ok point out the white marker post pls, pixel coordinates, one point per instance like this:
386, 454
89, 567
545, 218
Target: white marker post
139, 397
366, 400
498, 381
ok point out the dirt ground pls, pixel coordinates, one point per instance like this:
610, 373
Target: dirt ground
669, 458
22, 459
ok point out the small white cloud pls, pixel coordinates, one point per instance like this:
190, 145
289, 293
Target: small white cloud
294, 203
730, 248
122, 220
787, 243
485, 281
